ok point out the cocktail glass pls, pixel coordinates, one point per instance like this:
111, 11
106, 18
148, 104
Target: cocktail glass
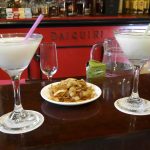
48, 59
136, 45
15, 56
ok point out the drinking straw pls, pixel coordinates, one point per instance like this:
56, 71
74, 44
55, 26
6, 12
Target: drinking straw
36, 23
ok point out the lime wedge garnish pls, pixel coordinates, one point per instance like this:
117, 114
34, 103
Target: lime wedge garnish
95, 63
96, 69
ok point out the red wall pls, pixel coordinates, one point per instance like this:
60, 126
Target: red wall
74, 44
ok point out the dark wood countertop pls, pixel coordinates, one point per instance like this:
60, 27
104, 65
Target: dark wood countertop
94, 126
76, 21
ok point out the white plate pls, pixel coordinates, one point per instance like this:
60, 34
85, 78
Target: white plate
45, 95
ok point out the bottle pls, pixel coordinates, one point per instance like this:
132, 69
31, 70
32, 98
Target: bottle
134, 6
99, 7
53, 8
146, 6
70, 7
93, 8
126, 6
62, 7
87, 9
10, 4
44, 8
24, 3
120, 8
17, 4
34, 5
111, 7
140, 6
3, 6
80, 7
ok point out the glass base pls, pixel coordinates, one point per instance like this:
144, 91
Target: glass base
127, 107
32, 121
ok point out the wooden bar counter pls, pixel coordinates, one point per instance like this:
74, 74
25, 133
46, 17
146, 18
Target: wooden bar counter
93, 126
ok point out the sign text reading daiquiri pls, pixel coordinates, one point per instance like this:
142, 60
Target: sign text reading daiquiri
76, 35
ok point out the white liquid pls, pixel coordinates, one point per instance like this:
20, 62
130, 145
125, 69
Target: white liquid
134, 45
16, 55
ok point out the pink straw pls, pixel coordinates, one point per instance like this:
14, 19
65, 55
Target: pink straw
40, 17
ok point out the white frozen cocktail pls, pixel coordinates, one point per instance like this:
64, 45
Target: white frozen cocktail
15, 56
136, 45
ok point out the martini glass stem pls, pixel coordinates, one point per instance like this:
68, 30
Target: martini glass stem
135, 94
18, 112
16, 87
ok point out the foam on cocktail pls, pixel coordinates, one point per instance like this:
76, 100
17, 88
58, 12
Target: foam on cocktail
135, 45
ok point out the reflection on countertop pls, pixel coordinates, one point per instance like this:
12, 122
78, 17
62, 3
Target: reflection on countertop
71, 113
